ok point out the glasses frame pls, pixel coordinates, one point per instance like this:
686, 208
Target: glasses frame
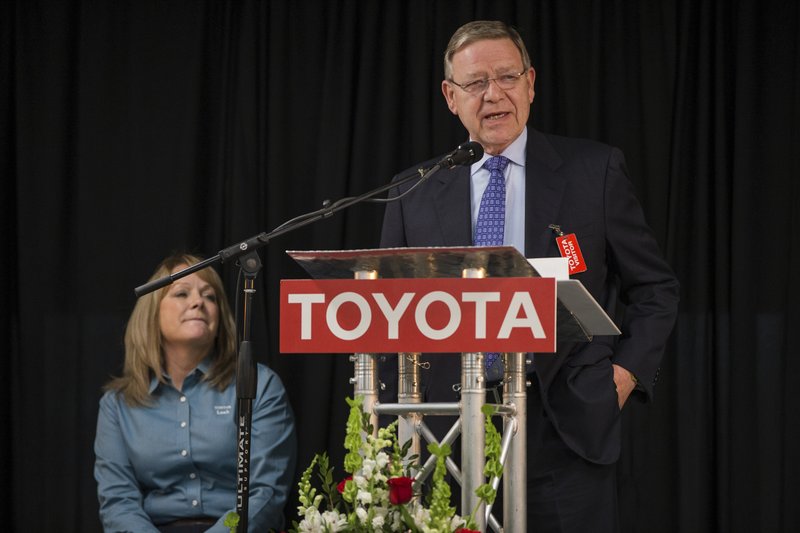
486, 81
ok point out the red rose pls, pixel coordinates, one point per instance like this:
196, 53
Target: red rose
340, 486
465, 530
400, 490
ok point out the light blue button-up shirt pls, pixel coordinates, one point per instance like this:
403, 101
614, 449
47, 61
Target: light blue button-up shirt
176, 458
515, 191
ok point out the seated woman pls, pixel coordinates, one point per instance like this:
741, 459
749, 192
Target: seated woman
166, 444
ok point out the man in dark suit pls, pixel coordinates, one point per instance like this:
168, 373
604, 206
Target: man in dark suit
549, 185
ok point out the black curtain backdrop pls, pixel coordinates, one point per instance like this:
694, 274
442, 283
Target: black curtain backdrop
132, 129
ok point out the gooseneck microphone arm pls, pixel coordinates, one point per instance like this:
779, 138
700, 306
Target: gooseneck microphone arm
257, 241
465, 154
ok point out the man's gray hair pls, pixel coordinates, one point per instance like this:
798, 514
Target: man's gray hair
480, 30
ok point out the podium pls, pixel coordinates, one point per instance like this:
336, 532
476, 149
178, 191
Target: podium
565, 307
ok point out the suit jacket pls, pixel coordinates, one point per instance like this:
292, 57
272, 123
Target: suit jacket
583, 187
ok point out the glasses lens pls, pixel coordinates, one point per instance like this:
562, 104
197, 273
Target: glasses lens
477, 86
507, 81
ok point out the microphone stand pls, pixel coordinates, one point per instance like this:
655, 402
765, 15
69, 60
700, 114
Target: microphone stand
246, 376
246, 384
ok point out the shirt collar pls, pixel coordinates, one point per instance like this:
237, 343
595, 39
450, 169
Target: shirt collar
153, 384
203, 367
515, 152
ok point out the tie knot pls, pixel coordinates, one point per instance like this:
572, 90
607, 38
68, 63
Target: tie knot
496, 163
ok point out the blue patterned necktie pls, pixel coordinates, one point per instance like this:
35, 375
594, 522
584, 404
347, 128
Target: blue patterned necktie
490, 231
491, 222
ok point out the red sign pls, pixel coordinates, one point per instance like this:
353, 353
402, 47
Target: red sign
568, 246
418, 315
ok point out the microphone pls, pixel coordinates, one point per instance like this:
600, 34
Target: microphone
465, 154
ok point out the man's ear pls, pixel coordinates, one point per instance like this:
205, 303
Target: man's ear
449, 95
531, 78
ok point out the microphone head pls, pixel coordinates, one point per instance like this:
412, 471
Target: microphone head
465, 154
473, 151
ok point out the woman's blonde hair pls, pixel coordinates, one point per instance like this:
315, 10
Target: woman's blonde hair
144, 358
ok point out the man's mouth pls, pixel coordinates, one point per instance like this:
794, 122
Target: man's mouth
495, 116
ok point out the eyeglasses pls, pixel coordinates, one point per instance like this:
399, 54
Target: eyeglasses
504, 81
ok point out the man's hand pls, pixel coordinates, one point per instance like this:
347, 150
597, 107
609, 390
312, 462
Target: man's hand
624, 382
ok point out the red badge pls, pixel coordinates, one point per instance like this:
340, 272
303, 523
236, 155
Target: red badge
568, 246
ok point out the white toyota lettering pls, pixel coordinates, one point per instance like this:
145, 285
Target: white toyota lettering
520, 313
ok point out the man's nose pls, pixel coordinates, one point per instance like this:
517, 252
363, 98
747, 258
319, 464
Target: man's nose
493, 92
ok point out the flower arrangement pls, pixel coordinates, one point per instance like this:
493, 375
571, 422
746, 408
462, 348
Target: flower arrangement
378, 493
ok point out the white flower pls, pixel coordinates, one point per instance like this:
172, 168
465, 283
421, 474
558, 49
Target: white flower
307, 527
367, 468
364, 496
333, 521
397, 522
421, 516
382, 460
360, 481
310, 512
380, 496
361, 513
377, 522
311, 523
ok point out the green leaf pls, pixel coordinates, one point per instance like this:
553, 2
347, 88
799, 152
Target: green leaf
232, 521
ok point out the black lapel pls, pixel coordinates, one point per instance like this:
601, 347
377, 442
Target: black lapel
451, 198
544, 191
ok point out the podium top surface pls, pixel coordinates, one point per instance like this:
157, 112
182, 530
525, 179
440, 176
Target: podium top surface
428, 262
579, 317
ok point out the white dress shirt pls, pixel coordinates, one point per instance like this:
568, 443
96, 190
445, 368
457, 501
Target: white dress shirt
515, 191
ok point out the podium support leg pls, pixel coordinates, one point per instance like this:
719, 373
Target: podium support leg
515, 475
408, 392
473, 437
365, 380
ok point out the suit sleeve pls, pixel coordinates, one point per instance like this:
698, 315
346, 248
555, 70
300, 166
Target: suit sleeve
647, 286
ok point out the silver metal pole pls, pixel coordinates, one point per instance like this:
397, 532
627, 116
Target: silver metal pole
365, 378
515, 471
430, 408
473, 438
408, 392
430, 464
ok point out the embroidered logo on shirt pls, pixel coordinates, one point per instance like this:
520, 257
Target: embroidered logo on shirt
222, 409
